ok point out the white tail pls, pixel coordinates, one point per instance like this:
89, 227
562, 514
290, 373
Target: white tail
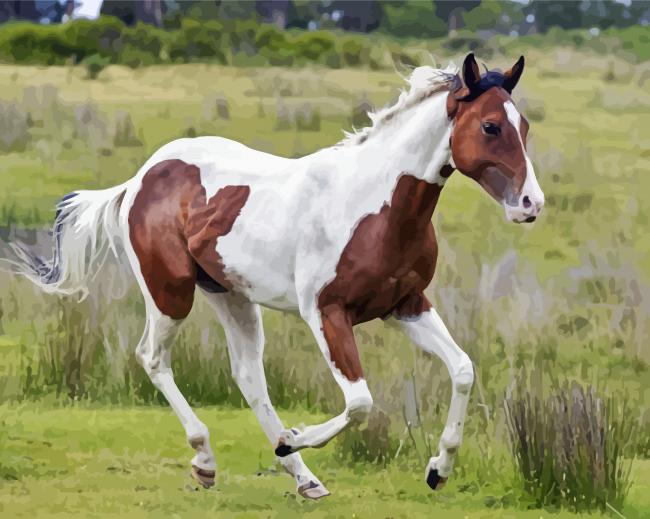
85, 231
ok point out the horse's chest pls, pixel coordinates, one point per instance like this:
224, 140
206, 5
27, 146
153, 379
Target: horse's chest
391, 255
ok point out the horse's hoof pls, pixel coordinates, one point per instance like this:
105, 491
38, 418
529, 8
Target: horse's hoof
203, 476
313, 490
434, 480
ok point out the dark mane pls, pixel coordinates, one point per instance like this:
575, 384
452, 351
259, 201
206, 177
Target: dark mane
490, 79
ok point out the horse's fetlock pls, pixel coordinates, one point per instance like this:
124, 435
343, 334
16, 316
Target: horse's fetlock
450, 440
464, 377
199, 436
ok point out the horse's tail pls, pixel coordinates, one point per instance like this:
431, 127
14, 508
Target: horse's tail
86, 234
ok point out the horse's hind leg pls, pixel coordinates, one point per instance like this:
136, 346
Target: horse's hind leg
154, 353
242, 322
166, 275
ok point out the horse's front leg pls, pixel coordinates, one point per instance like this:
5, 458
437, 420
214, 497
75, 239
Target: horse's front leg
422, 324
332, 329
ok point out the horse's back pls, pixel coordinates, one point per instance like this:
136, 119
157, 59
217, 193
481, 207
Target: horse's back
218, 156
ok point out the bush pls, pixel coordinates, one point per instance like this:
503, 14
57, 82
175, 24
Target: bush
94, 65
33, 44
569, 450
313, 45
274, 45
354, 51
198, 41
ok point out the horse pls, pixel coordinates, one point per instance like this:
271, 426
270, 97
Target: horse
340, 237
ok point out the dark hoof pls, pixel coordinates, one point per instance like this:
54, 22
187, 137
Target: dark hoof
204, 477
283, 449
434, 480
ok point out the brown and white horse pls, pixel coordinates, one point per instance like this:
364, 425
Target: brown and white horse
340, 237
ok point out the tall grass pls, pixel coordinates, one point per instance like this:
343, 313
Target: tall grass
570, 449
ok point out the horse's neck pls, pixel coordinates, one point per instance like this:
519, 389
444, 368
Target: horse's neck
416, 143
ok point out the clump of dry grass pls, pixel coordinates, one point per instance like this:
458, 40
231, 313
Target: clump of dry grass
14, 127
90, 125
303, 117
359, 116
124, 133
307, 118
569, 449
42, 104
216, 107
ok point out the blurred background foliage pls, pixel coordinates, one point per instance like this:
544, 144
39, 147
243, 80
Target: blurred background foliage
297, 32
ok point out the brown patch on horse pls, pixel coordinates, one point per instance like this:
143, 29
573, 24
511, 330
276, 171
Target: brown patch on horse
412, 306
210, 220
495, 162
172, 226
390, 256
337, 329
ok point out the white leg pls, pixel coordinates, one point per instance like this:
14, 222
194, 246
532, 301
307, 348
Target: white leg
154, 353
242, 322
358, 401
428, 332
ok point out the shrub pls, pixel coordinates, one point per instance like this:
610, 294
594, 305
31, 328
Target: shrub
198, 41
274, 45
354, 51
29, 43
313, 45
94, 65
83, 37
141, 45
569, 449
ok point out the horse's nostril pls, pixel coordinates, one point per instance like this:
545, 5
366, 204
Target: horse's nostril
531, 219
527, 202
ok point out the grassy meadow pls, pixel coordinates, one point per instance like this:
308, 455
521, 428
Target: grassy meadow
539, 308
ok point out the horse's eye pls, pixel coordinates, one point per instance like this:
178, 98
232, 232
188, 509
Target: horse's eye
491, 128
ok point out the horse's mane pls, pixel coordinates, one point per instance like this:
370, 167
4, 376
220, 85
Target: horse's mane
423, 82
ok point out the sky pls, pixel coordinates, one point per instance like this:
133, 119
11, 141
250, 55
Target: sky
87, 9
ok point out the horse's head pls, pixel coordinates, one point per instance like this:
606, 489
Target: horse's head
488, 140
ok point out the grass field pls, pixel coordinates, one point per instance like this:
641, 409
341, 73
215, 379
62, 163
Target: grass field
566, 299
96, 461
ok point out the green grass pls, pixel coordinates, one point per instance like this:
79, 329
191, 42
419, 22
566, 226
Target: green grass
97, 461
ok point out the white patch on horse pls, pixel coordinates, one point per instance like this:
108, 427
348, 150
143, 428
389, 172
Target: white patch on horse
531, 187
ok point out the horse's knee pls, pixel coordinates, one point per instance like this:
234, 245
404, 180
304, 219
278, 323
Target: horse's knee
464, 377
359, 408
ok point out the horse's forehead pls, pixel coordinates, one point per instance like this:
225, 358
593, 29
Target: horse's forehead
493, 101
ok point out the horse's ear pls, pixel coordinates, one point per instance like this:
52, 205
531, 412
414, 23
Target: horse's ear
471, 72
512, 76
